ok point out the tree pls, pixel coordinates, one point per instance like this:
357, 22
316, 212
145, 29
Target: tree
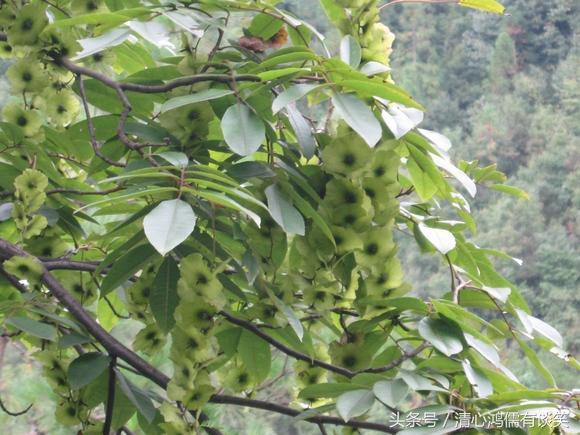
163, 165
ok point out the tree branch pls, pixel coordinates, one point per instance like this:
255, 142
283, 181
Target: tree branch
396, 2
155, 89
92, 135
14, 413
397, 362
288, 351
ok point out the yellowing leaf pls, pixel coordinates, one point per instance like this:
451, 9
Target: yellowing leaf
484, 5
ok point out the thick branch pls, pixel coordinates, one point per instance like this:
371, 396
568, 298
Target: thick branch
321, 419
155, 89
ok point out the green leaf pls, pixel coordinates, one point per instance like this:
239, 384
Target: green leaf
137, 397
354, 403
108, 19
243, 131
163, 298
87, 367
480, 383
283, 212
126, 266
484, 5
510, 190
169, 224
7, 175
441, 239
176, 158
445, 336
100, 43
264, 26
307, 210
255, 354
302, 130
33, 327
73, 339
350, 51
299, 54
334, 11
392, 392
203, 95
277, 73
359, 117
290, 315
378, 88
291, 95
229, 340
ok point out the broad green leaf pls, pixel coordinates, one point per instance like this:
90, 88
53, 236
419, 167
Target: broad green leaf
354, 403
442, 240
104, 20
350, 51
307, 210
33, 327
445, 336
290, 315
126, 266
302, 130
203, 95
391, 393
255, 354
335, 12
329, 390
283, 212
169, 224
163, 298
87, 367
381, 89
477, 379
499, 293
277, 73
94, 45
73, 339
137, 397
243, 131
484, 5
418, 382
277, 58
176, 158
359, 117
264, 26
291, 95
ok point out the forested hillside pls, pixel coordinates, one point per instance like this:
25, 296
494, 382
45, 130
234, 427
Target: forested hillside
510, 99
504, 91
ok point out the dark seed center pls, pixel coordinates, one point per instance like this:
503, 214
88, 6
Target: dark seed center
27, 24
372, 249
349, 159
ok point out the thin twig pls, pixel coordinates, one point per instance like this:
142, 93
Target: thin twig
92, 135
396, 2
110, 398
14, 413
